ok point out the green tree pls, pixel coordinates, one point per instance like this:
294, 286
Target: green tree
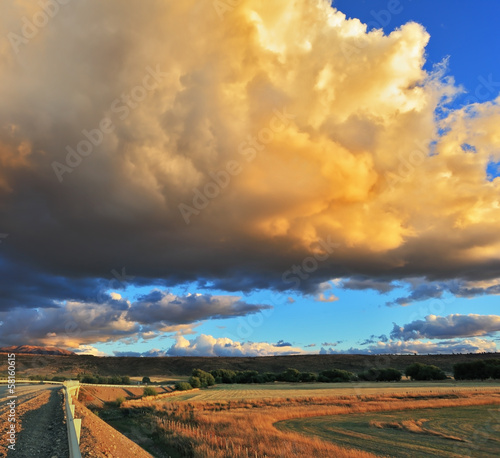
195, 382
146, 380
308, 377
336, 376
419, 371
290, 375
206, 379
224, 375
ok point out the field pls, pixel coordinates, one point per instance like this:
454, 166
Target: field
320, 420
452, 431
294, 390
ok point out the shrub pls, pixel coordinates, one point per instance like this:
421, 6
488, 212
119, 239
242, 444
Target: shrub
290, 375
223, 376
381, 375
371, 375
195, 382
477, 370
206, 379
114, 380
418, 371
89, 379
146, 380
308, 377
119, 401
183, 386
336, 375
148, 391
267, 377
247, 377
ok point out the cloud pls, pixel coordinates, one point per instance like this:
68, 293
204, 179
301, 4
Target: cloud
331, 344
421, 289
76, 324
373, 339
89, 350
473, 345
206, 345
282, 343
362, 283
328, 131
162, 306
447, 327
155, 352
310, 345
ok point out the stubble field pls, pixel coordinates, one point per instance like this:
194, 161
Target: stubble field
324, 420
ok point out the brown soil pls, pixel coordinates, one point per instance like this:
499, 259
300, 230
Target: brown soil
99, 440
96, 396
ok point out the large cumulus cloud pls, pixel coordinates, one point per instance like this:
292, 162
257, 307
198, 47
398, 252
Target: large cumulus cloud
315, 132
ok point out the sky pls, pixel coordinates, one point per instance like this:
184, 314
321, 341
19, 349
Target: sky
250, 178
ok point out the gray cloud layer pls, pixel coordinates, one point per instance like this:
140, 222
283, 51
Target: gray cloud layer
447, 327
81, 323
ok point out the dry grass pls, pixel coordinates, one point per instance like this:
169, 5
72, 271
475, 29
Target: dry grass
246, 427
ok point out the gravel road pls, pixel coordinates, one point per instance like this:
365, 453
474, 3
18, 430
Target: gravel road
40, 423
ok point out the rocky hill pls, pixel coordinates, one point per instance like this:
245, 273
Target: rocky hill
35, 350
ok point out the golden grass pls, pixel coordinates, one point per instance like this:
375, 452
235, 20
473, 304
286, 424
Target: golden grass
246, 427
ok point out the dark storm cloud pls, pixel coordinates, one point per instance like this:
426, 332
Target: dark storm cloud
171, 309
362, 283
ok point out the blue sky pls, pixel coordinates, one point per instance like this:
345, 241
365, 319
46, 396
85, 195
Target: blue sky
292, 182
464, 33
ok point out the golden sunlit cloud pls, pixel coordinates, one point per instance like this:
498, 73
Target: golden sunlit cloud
180, 142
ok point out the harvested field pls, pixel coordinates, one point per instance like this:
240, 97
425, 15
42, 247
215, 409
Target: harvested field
233, 421
445, 432
97, 396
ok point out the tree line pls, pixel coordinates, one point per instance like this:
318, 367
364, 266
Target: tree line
416, 371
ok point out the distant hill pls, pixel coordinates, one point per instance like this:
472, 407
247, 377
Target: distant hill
50, 365
34, 350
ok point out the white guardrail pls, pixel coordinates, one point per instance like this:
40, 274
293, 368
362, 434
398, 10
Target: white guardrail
73, 424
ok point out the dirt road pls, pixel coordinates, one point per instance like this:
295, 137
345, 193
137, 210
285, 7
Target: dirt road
40, 422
